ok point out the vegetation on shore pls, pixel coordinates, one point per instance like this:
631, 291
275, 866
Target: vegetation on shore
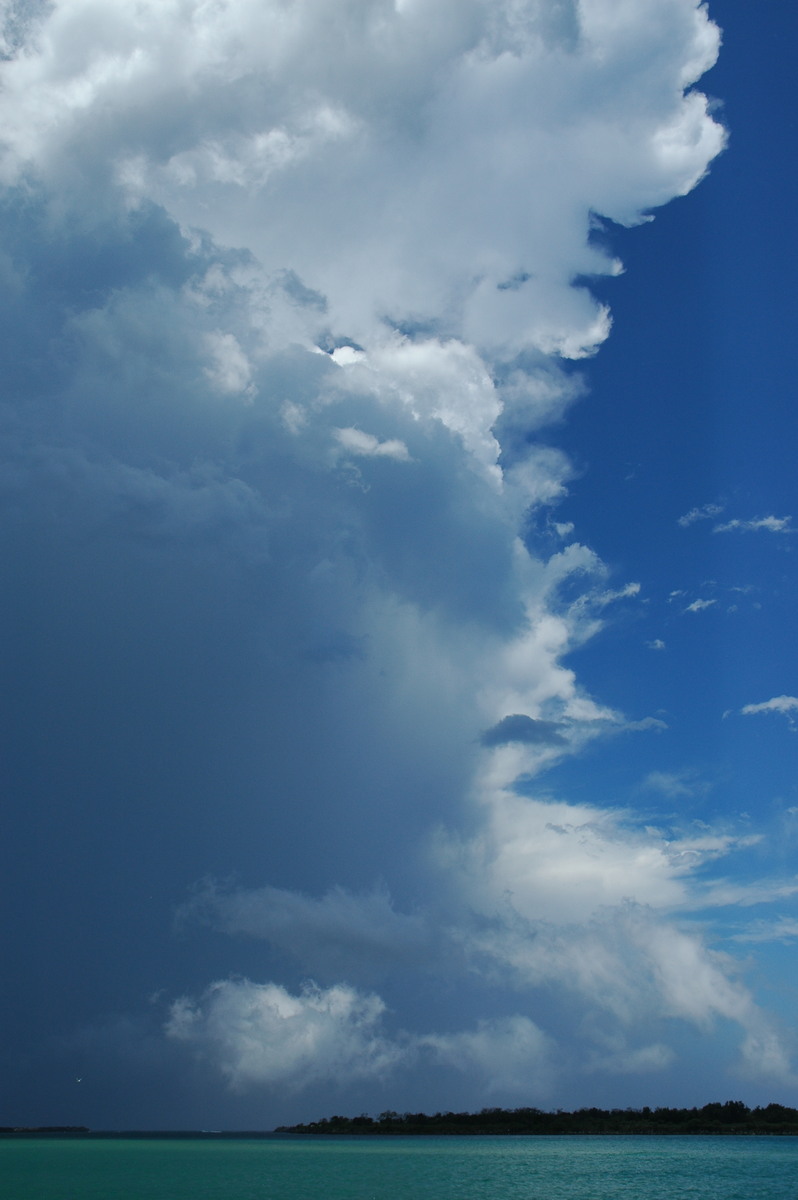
44, 1129
731, 1117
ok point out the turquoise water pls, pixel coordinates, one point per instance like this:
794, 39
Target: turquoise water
407, 1168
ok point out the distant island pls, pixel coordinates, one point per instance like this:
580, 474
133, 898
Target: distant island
731, 1117
44, 1129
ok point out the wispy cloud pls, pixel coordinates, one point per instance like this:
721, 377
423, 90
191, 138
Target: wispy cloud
781, 704
785, 705
780, 929
699, 606
707, 512
704, 513
627, 592
675, 784
769, 524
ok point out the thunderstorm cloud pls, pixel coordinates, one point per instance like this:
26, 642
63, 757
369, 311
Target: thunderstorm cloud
290, 292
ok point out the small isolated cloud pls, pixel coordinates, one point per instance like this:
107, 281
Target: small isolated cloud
259, 1033
786, 705
520, 728
623, 1060
602, 599
765, 1056
643, 725
770, 524
704, 513
366, 445
656, 644
782, 704
510, 1053
674, 784
699, 605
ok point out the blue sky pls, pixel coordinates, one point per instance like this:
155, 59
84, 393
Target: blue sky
399, 683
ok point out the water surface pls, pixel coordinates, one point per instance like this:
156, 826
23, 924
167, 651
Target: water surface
405, 1168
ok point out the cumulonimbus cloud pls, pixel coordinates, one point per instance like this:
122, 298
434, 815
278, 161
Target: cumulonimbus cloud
307, 381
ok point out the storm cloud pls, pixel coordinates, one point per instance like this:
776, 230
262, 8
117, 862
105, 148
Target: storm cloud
290, 294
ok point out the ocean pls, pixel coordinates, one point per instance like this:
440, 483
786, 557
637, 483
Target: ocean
399, 1168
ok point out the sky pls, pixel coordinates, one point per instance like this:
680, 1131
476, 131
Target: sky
399, 699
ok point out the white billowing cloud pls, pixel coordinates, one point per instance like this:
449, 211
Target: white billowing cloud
531, 401
563, 863
586, 900
425, 222
692, 979
539, 478
385, 208
426, 129
587, 911
525, 681
627, 968
445, 382
529, 679
262, 1034
769, 524
630, 968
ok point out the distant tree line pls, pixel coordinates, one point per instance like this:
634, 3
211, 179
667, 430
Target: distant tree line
731, 1117
44, 1129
